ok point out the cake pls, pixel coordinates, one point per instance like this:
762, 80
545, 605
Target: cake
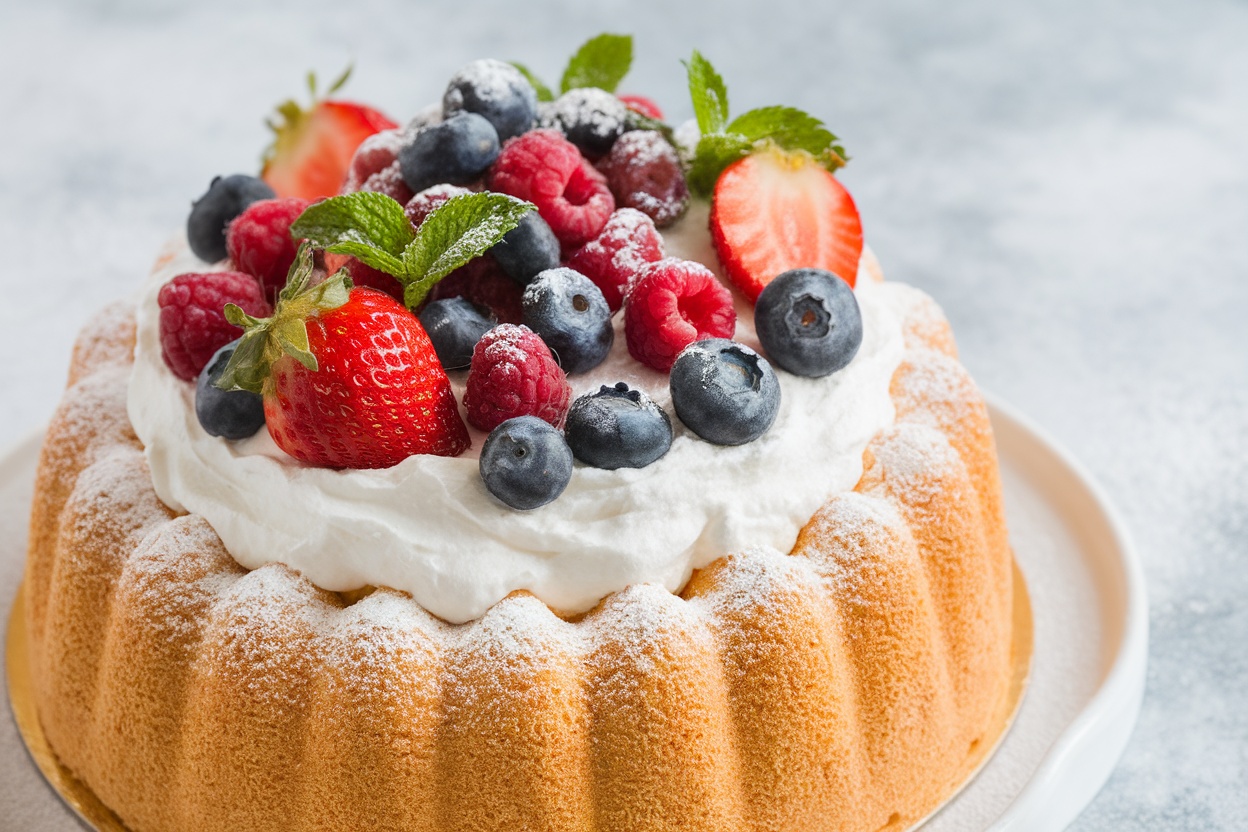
222, 637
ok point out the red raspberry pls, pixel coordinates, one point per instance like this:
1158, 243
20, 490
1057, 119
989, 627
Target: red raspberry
192, 317
672, 304
389, 181
259, 242
483, 282
376, 153
420, 206
643, 172
627, 243
365, 275
643, 105
546, 169
514, 374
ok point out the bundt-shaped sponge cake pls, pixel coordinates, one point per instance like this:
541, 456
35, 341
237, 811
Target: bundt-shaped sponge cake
852, 684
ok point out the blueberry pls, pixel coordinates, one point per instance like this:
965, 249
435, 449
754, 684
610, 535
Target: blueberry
618, 428
455, 151
225, 199
455, 325
590, 118
525, 462
497, 91
230, 414
808, 322
569, 312
527, 249
724, 391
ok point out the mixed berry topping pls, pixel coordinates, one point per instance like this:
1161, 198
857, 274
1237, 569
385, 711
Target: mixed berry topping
260, 244
724, 391
808, 321
513, 374
225, 199
500, 232
568, 311
525, 463
672, 304
544, 168
192, 317
628, 242
618, 427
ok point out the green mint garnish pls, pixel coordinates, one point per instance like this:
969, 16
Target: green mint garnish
265, 340
601, 62
373, 228
543, 91
723, 142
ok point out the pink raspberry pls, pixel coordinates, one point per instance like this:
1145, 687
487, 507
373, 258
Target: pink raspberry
365, 275
627, 243
483, 282
643, 105
376, 153
259, 242
420, 206
672, 304
514, 374
543, 167
192, 317
643, 172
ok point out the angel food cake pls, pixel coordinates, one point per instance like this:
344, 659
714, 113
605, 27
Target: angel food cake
529, 466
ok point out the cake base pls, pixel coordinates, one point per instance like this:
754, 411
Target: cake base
96, 815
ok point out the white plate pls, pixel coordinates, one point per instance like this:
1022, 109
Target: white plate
1087, 676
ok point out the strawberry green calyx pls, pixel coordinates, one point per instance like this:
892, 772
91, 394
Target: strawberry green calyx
785, 129
373, 228
265, 340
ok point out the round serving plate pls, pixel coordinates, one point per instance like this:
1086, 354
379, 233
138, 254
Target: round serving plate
1080, 650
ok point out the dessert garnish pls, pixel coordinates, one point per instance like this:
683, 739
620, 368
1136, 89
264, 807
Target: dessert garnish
229, 414
808, 322
525, 463
312, 147
513, 374
617, 427
224, 200
724, 391
260, 243
672, 304
455, 325
568, 311
192, 316
617, 255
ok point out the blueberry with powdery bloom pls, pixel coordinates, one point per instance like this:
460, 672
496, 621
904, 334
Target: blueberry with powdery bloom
570, 314
528, 249
590, 118
229, 414
225, 199
456, 151
455, 325
525, 463
808, 322
724, 391
498, 92
618, 427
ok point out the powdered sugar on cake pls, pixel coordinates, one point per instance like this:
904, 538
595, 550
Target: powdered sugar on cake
429, 527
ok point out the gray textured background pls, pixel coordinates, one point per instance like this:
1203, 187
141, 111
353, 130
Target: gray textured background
1069, 179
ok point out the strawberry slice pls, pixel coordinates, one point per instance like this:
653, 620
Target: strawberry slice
312, 150
772, 212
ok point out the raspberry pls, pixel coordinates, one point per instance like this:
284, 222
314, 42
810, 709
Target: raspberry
546, 169
376, 153
643, 105
365, 275
259, 242
672, 304
483, 282
388, 181
420, 206
643, 172
192, 317
627, 243
514, 374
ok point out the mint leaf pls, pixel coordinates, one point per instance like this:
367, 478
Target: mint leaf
368, 226
543, 91
715, 152
600, 62
462, 228
791, 129
710, 96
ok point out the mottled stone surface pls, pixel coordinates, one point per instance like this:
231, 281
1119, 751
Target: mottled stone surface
1069, 179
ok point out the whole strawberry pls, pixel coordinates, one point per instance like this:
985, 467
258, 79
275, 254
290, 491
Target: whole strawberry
348, 375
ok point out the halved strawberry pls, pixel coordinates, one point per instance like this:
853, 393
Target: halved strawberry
773, 211
312, 151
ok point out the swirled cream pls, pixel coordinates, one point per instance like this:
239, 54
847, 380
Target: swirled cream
429, 527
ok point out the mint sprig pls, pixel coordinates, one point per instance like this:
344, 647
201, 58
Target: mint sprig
373, 228
724, 142
600, 62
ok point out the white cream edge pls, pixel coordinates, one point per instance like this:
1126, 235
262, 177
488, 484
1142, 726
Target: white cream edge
428, 526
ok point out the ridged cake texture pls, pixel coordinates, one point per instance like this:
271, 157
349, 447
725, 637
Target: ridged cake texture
851, 684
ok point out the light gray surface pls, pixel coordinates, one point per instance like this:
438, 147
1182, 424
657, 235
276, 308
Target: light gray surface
1069, 180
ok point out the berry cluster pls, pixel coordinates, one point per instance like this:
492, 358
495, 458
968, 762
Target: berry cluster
530, 303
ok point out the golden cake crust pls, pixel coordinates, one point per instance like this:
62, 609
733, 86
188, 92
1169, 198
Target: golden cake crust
852, 684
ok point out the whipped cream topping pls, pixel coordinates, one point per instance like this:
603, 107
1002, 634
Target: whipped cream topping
429, 527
